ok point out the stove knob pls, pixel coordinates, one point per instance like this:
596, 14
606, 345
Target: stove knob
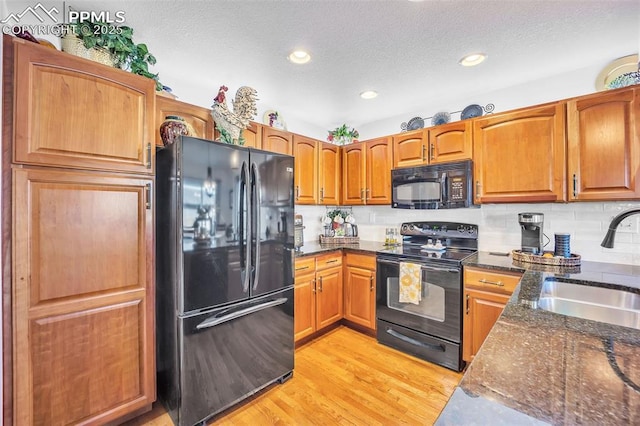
471, 230
461, 228
444, 228
405, 227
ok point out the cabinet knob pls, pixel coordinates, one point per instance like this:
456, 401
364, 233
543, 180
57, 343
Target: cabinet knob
371, 283
467, 304
575, 186
320, 289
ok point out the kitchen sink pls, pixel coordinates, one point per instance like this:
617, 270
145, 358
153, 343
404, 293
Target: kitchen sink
601, 304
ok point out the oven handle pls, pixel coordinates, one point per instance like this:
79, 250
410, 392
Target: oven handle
432, 268
430, 346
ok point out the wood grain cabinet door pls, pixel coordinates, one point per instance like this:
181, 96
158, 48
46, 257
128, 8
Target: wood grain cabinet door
253, 135
329, 174
76, 113
199, 118
378, 171
329, 296
482, 310
410, 149
451, 142
520, 156
604, 146
360, 289
83, 302
354, 180
275, 140
305, 152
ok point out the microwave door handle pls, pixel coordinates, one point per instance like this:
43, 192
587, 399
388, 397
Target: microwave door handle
443, 187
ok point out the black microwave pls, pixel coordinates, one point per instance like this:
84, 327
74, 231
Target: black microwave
435, 186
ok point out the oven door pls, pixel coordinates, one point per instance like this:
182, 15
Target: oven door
436, 310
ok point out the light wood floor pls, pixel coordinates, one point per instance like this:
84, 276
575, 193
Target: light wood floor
345, 378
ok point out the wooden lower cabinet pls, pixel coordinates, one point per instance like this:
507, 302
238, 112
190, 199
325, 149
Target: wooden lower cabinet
318, 293
486, 293
83, 301
304, 295
360, 289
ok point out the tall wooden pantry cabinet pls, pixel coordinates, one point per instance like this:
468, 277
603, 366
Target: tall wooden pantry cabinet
78, 266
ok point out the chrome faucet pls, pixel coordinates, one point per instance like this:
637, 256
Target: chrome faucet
611, 233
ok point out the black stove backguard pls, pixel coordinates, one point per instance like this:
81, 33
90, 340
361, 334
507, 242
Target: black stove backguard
428, 324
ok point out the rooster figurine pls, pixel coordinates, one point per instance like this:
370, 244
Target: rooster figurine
233, 122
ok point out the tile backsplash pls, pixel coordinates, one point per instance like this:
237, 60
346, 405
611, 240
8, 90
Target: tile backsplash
587, 222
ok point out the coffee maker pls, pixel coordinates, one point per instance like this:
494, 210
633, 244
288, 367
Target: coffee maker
531, 224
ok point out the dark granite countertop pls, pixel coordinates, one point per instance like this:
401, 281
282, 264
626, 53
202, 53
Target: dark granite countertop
313, 248
538, 367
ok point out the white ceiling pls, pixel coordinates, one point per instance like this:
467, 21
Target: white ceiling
407, 51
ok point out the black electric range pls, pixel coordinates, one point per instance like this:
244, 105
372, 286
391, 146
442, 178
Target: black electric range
419, 284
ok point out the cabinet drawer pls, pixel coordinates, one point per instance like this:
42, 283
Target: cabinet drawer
365, 261
329, 260
305, 265
502, 282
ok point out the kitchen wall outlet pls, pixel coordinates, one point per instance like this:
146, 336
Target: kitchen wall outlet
629, 225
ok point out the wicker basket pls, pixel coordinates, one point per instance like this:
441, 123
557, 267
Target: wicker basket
72, 44
339, 240
518, 255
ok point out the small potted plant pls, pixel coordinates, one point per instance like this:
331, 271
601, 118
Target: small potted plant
343, 135
117, 42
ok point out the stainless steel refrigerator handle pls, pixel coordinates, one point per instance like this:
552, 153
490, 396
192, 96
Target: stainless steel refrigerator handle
247, 227
213, 321
256, 210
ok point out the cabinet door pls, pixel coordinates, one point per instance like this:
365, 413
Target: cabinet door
410, 149
360, 290
378, 171
450, 142
200, 119
253, 135
304, 295
482, 310
305, 151
329, 296
519, 156
604, 146
81, 114
329, 174
275, 140
353, 174
83, 296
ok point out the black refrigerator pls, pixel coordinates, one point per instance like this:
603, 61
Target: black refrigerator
224, 275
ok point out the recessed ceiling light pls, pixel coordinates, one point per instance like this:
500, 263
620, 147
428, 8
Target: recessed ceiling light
473, 59
368, 94
299, 57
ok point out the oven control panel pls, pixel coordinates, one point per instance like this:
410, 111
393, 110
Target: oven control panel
440, 229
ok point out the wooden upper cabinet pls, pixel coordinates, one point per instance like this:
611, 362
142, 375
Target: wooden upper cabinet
253, 135
328, 173
277, 140
604, 146
378, 171
305, 152
199, 118
83, 299
410, 149
451, 142
354, 180
520, 156
76, 113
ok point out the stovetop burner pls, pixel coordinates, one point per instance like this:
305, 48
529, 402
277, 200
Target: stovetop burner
420, 241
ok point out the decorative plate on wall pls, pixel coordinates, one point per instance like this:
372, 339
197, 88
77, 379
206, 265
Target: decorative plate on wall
440, 118
615, 69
